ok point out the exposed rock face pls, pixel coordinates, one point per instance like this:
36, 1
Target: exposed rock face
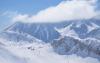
84, 48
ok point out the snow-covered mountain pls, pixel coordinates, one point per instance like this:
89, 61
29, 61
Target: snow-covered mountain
79, 37
42, 31
50, 31
81, 29
86, 48
37, 53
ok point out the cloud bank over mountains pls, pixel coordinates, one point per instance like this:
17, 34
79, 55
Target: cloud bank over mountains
66, 10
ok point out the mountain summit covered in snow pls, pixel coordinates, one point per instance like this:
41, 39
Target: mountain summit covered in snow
49, 31
79, 37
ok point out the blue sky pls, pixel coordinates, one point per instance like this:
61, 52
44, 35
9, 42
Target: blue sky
23, 7
30, 7
26, 6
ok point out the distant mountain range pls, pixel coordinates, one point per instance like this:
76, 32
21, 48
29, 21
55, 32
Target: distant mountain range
42, 31
50, 31
81, 37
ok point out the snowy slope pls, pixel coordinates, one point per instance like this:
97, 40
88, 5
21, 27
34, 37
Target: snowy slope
7, 57
75, 42
89, 47
50, 31
67, 31
80, 30
18, 37
38, 53
42, 31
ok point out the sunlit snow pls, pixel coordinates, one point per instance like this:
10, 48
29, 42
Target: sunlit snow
37, 53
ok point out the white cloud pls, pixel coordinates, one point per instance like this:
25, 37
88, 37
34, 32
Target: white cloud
66, 10
20, 17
